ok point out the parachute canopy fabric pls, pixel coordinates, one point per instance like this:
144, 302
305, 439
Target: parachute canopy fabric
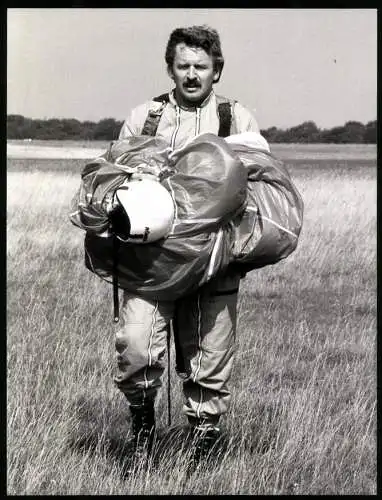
235, 204
208, 184
269, 228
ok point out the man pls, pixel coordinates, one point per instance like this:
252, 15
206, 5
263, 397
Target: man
205, 322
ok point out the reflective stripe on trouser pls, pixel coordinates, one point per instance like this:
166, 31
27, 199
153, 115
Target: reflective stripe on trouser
141, 346
206, 323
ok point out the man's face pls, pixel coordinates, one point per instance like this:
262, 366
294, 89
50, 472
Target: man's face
193, 73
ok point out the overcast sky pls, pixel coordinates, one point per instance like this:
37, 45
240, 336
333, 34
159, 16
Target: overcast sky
288, 65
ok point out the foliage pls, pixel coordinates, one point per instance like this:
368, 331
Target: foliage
308, 132
19, 127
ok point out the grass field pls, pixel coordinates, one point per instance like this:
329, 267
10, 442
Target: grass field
303, 413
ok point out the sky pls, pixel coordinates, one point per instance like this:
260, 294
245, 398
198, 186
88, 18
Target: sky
286, 65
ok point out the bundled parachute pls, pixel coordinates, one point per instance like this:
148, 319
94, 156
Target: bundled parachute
208, 185
269, 228
234, 204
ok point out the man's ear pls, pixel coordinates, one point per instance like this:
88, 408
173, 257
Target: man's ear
216, 76
170, 72
217, 73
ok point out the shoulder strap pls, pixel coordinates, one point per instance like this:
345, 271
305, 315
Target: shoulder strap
226, 116
154, 115
225, 113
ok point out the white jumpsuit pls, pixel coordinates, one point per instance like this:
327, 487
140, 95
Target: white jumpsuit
205, 321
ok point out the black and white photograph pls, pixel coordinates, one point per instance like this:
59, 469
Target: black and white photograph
191, 251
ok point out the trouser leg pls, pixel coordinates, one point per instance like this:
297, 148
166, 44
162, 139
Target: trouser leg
206, 325
141, 346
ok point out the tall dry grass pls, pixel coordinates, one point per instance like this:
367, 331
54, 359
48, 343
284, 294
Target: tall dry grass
303, 413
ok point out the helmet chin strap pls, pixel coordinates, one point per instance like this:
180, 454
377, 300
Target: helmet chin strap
120, 228
115, 278
120, 223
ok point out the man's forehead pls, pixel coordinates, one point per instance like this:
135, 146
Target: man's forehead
183, 52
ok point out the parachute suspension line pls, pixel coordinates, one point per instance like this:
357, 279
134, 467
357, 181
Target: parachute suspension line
215, 249
115, 278
278, 225
168, 375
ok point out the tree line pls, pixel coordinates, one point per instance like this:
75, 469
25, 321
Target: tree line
107, 129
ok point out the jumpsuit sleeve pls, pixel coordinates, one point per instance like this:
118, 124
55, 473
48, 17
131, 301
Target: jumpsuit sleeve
127, 129
245, 120
133, 124
130, 126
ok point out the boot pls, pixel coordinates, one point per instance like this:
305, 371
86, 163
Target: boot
143, 426
205, 437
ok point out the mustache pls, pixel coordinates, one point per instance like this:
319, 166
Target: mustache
194, 83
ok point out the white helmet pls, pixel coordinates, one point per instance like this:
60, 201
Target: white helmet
148, 209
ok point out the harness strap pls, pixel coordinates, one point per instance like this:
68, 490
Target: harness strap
115, 278
225, 113
163, 97
225, 106
154, 115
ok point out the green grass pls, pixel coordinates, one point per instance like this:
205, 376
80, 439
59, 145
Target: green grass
303, 413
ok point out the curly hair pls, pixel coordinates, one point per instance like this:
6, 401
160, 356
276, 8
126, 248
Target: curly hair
196, 36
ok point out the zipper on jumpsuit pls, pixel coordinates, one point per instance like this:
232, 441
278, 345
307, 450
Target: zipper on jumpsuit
173, 137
